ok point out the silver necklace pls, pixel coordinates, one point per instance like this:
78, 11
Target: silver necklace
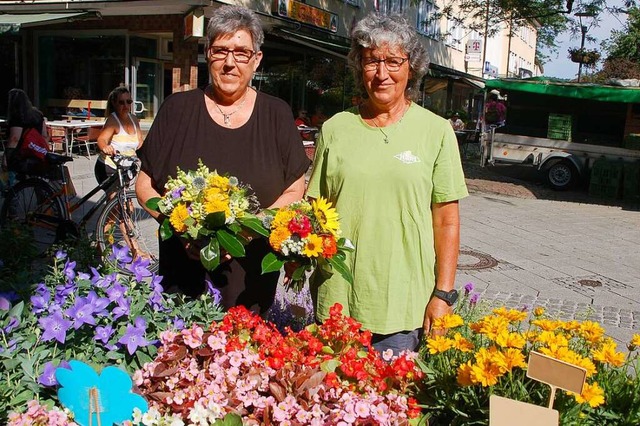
226, 118
379, 127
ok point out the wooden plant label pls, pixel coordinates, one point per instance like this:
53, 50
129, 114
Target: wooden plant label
556, 373
509, 412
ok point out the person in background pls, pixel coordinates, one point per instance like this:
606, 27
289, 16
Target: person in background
456, 122
21, 115
318, 118
495, 112
121, 133
235, 130
302, 120
393, 171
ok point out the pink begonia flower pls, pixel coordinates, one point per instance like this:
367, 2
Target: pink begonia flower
167, 336
193, 336
362, 409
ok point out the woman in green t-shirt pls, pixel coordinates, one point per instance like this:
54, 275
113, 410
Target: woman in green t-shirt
393, 171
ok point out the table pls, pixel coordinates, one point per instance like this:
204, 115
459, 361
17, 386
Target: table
69, 126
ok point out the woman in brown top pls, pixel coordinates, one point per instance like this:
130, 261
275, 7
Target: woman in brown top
233, 129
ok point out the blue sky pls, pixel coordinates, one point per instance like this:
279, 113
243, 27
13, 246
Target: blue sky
559, 64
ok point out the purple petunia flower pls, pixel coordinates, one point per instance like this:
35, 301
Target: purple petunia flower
120, 254
103, 334
48, 376
468, 288
139, 267
133, 338
81, 313
55, 327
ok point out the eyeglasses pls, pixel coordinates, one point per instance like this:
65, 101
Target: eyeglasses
128, 102
241, 56
392, 64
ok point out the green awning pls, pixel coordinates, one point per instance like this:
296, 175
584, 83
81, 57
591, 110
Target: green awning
10, 22
554, 87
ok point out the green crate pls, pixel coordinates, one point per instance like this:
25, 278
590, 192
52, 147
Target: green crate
631, 182
560, 126
604, 191
607, 172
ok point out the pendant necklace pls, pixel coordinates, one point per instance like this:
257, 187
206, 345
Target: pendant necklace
226, 118
379, 127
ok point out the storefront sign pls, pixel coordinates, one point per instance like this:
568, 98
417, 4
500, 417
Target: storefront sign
491, 70
473, 57
307, 14
474, 46
194, 24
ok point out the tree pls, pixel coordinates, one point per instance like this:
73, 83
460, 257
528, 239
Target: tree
625, 43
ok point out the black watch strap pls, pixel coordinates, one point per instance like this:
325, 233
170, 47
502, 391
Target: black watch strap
449, 297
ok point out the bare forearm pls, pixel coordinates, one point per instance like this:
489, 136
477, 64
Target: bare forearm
145, 191
446, 230
291, 194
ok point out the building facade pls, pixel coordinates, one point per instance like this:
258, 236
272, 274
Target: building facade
82, 49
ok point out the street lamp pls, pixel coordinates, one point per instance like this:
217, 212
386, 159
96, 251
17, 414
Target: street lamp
583, 32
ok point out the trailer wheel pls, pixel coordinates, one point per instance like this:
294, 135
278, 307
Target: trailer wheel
561, 174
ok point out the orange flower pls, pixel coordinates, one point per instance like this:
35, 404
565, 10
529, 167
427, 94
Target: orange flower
464, 374
329, 246
439, 344
278, 235
447, 321
591, 394
178, 216
608, 355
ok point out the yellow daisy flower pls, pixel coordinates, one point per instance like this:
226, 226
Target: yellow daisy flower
464, 374
485, 374
513, 358
506, 339
313, 247
326, 215
591, 331
448, 321
545, 324
439, 344
462, 344
608, 355
177, 217
512, 315
491, 326
591, 394
550, 338
539, 311
635, 342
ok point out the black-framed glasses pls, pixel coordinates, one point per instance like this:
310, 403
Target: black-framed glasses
393, 64
242, 56
127, 101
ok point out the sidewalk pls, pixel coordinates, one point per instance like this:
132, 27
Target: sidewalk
576, 259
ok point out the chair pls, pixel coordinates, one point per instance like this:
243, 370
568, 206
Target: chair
87, 136
57, 139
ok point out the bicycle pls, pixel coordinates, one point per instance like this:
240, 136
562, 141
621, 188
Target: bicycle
43, 203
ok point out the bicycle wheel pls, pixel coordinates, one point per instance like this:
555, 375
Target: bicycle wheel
33, 203
134, 228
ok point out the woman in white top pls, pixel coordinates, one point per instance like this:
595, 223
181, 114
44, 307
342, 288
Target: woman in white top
120, 134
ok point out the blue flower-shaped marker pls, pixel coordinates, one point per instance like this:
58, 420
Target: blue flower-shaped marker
97, 399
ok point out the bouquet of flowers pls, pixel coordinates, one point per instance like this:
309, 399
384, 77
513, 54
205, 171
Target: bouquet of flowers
211, 210
307, 234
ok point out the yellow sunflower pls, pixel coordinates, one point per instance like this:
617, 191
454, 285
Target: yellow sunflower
327, 216
313, 247
178, 216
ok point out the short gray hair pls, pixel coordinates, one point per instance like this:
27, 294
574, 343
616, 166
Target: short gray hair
229, 19
375, 30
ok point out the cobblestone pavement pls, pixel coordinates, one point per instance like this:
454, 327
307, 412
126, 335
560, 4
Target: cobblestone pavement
525, 246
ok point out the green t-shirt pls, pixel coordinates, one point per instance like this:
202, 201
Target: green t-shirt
383, 193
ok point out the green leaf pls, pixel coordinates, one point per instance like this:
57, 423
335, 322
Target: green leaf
234, 227
271, 263
152, 203
230, 242
330, 365
231, 419
298, 274
214, 220
210, 255
341, 267
254, 224
16, 311
166, 231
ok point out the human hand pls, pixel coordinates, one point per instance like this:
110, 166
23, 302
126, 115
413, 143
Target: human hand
436, 308
289, 269
108, 150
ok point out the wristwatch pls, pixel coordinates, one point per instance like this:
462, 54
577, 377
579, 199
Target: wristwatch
449, 297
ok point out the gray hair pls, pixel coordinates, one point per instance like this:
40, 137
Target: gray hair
229, 19
375, 30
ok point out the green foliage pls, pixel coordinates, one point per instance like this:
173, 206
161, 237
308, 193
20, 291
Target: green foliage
116, 303
625, 43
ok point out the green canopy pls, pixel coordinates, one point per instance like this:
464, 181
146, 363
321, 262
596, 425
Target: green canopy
555, 87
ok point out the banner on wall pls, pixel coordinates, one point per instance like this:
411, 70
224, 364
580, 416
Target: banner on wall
307, 14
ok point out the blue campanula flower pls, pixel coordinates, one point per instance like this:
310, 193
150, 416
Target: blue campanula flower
123, 308
40, 302
48, 376
99, 304
116, 293
133, 338
120, 254
13, 323
5, 305
81, 313
213, 292
55, 326
70, 270
139, 267
60, 254
103, 334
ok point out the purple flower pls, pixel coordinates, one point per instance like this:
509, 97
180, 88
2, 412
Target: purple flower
107, 280
99, 304
103, 334
177, 193
123, 308
40, 302
139, 268
5, 305
120, 254
13, 323
140, 322
116, 293
70, 270
81, 313
83, 276
178, 323
61, 255
11, 346
133, 338
62, 291
468, 288
213, 292
55, 327
48, 376
474, 298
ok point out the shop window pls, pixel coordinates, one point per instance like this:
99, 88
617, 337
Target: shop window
428, 19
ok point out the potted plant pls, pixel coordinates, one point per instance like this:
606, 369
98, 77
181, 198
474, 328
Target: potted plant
585, 56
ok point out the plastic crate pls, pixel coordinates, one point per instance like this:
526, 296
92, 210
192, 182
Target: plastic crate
560, 126
607, 172
631, 182
604, 191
